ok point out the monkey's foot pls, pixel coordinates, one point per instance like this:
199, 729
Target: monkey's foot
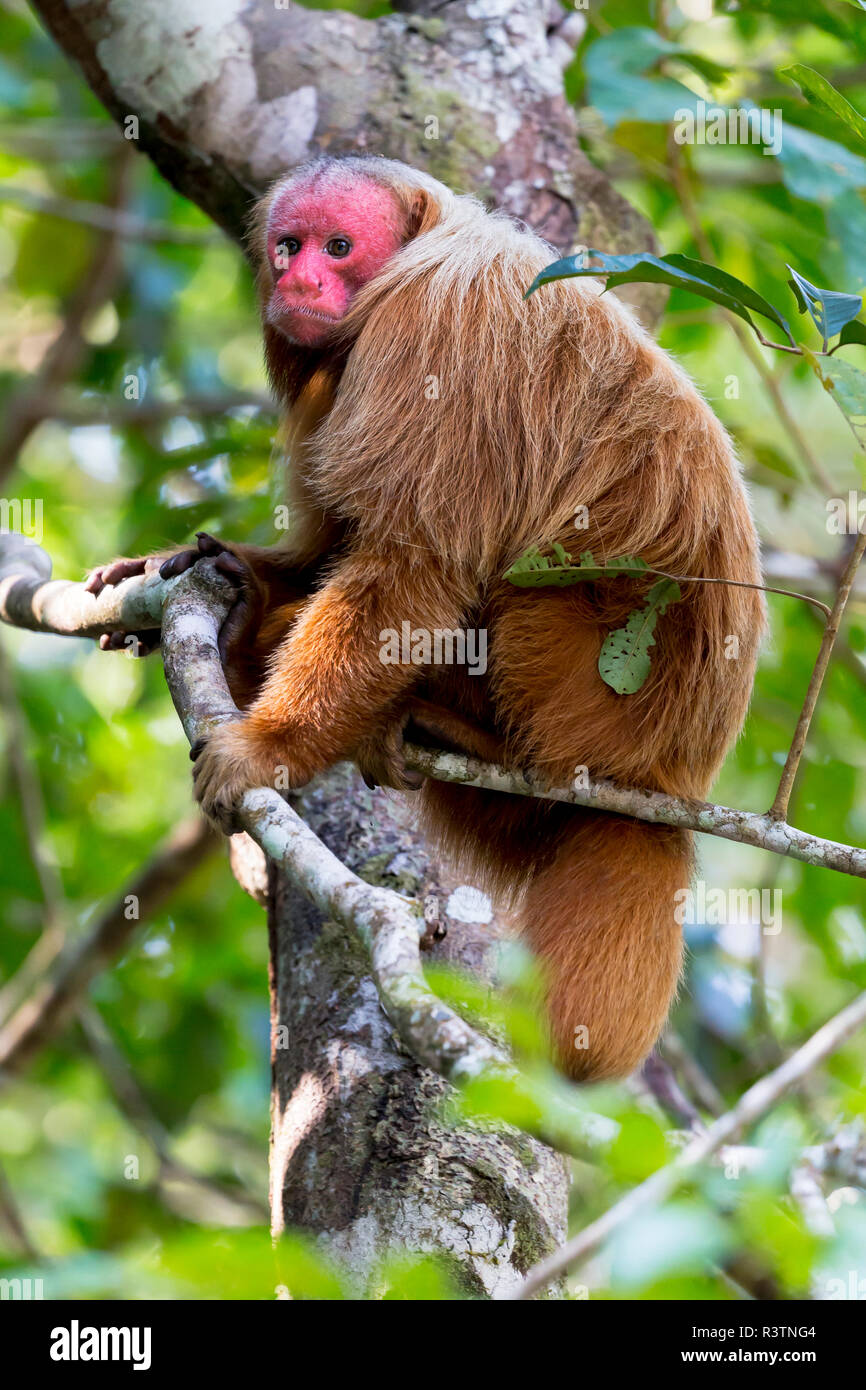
379, 756
233, 760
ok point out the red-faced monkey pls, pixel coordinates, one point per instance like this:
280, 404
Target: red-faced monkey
441, 425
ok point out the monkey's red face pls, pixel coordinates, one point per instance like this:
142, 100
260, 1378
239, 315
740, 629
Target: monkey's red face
323, 246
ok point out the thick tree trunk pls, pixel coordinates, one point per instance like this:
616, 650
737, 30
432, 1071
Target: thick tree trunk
225, 98
362, 1154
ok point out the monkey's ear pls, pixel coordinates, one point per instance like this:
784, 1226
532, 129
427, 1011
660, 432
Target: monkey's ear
424, 213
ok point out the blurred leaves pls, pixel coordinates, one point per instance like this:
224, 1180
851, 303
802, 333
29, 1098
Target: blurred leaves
187, 1004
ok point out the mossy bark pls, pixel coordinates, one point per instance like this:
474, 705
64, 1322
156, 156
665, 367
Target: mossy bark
364, 1154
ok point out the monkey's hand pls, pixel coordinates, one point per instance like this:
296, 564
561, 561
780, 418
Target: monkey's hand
237, 632
379, 756
237, 757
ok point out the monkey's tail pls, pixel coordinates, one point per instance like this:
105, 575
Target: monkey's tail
597, 904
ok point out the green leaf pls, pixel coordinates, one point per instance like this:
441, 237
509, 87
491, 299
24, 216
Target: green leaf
817, 169
847, 386
680, 272
615, 68
536, 571
821, 93
624, 659
853, 332
830, 309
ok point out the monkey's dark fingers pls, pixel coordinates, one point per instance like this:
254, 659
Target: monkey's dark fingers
178, 564
232, 630
196, 749
136, 643
208, 544
232, 566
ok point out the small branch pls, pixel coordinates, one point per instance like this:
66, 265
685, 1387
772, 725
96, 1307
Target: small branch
779, 809
744, 827
702, 1088
657, 1188
65, 608
11, 1218
69, 347
56, 998
134, 1105
660, 1080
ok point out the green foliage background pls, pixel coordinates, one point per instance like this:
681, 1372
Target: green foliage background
187, 1005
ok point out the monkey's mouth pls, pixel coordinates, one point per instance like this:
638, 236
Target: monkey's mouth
307, 313
289, 311
298, 322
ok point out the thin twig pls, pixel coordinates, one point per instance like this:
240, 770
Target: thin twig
69, 347
134, 1105
779, 809
56, 998
11, 1218
27, 600
756, 1102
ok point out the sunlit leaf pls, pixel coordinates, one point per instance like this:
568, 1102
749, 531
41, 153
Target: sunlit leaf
821, 93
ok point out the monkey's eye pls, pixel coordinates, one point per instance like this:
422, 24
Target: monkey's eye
338, 246
287, 246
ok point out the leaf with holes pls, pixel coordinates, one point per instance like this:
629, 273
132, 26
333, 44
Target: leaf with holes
536, 571
624, 660
830, 309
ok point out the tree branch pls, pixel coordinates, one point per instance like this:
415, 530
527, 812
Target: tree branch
473, 93
56, 998
65, 608
657, 1188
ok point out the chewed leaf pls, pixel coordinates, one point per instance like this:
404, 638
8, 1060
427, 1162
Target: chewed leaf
831, 310
536, 571
624, 659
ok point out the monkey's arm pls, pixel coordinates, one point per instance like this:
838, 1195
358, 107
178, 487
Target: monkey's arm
328, 681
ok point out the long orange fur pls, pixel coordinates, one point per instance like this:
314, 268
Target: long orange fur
453, 426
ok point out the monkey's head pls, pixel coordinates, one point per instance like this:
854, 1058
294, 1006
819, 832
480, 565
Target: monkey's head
326, 231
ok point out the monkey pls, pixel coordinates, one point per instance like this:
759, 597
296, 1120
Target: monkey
441, 424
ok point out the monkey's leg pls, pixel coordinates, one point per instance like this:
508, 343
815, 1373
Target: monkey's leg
331, 680
379, 755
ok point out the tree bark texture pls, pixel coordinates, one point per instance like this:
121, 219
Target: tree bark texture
363, 1151
227, 95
